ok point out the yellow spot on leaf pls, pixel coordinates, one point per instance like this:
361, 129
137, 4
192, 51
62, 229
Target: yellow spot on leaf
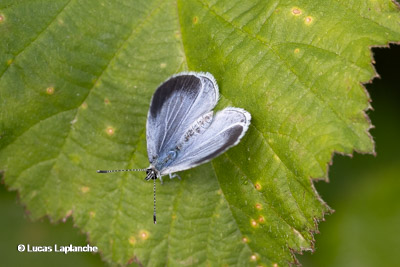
50, 90
144, 234
1, 18
245, 240
296, 50
296, 11
253, 257
261, 219
258, 206
132, 240
10, 61
308, 20
258, 186
276, 157
92, 214
85, 189
253, 223
275, 265
163, 65
84, 105
110, 131
195, 20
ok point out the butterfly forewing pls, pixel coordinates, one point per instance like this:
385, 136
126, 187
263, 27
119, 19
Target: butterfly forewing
175, 105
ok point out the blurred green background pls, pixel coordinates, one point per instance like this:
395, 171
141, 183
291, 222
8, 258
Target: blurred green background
364, 191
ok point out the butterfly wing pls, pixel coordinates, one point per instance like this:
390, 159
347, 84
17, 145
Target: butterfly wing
225, 131
175, 105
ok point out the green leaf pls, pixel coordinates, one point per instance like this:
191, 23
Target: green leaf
76, 78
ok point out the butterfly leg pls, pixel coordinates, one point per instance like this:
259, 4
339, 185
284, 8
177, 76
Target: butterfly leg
160, 177
173, 175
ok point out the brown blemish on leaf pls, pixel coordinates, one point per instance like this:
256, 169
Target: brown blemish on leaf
253, 257
258, 186
296, 11
258, 206
50, 90
110, 131
84, 105
85, 189
132, 240
195, 20
261, 219
245, 240
1, 18
308, 20
106, 101
296, 51
144, 235
9, 62
253, 223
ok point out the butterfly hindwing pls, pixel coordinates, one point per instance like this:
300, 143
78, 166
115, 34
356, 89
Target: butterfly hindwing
225, 131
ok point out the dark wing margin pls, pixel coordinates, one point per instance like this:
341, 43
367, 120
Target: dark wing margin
175, 105
233, 134
188, 84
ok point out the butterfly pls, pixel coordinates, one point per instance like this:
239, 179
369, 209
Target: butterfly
182, 130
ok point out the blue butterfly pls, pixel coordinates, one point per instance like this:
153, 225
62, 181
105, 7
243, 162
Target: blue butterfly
182, 131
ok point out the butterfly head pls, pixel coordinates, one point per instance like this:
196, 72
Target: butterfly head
151, 173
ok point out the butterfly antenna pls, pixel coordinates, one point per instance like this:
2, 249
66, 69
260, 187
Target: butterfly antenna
154, 197
129, 170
